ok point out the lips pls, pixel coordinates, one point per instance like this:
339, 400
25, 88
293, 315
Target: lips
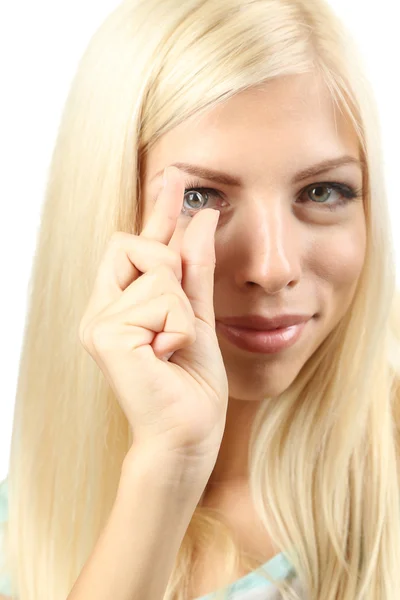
265, 342
263, 323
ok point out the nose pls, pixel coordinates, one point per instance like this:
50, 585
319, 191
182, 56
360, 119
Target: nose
268, 245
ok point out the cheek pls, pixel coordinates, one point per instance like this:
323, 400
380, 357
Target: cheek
338, 257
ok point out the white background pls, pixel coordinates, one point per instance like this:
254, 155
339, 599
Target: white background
40, 45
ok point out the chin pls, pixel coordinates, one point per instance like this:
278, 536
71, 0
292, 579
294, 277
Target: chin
262, 383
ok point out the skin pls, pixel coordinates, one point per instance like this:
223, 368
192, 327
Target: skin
277, 249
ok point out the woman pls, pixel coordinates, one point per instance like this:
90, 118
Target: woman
258, 110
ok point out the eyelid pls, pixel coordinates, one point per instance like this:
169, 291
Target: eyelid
196, 183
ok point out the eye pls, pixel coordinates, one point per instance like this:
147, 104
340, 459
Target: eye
196, 198
316, 194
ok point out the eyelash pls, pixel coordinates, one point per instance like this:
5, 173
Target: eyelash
348, 193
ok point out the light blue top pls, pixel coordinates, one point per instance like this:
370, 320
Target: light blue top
5, 587
250, 587
255, 587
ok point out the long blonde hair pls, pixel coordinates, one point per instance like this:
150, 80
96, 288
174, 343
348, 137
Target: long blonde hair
323, 459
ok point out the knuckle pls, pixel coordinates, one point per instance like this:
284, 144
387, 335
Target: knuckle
164, 271
99, 336
175, 301
191, 332
118, 238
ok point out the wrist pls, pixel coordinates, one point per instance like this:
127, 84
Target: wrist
158, 467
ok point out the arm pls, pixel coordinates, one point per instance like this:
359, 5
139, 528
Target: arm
136, 552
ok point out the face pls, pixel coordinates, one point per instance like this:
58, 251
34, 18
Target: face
283, 245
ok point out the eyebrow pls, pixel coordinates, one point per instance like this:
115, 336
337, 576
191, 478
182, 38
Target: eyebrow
227, 179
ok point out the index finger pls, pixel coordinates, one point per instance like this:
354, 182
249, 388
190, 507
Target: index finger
164, 217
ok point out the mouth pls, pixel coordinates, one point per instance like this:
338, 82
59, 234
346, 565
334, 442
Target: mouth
265, 342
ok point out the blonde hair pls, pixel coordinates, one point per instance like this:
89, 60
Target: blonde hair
323, 459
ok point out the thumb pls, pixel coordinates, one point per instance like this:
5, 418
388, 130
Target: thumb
198, 264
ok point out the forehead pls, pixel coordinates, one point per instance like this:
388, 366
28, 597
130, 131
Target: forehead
290, 119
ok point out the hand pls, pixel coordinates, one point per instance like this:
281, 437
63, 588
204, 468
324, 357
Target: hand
150, 301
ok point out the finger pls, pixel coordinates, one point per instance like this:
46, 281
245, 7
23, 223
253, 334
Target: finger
117, 269
167, 209
162, 322
168, 317
154, 283
127, 259
198, 264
